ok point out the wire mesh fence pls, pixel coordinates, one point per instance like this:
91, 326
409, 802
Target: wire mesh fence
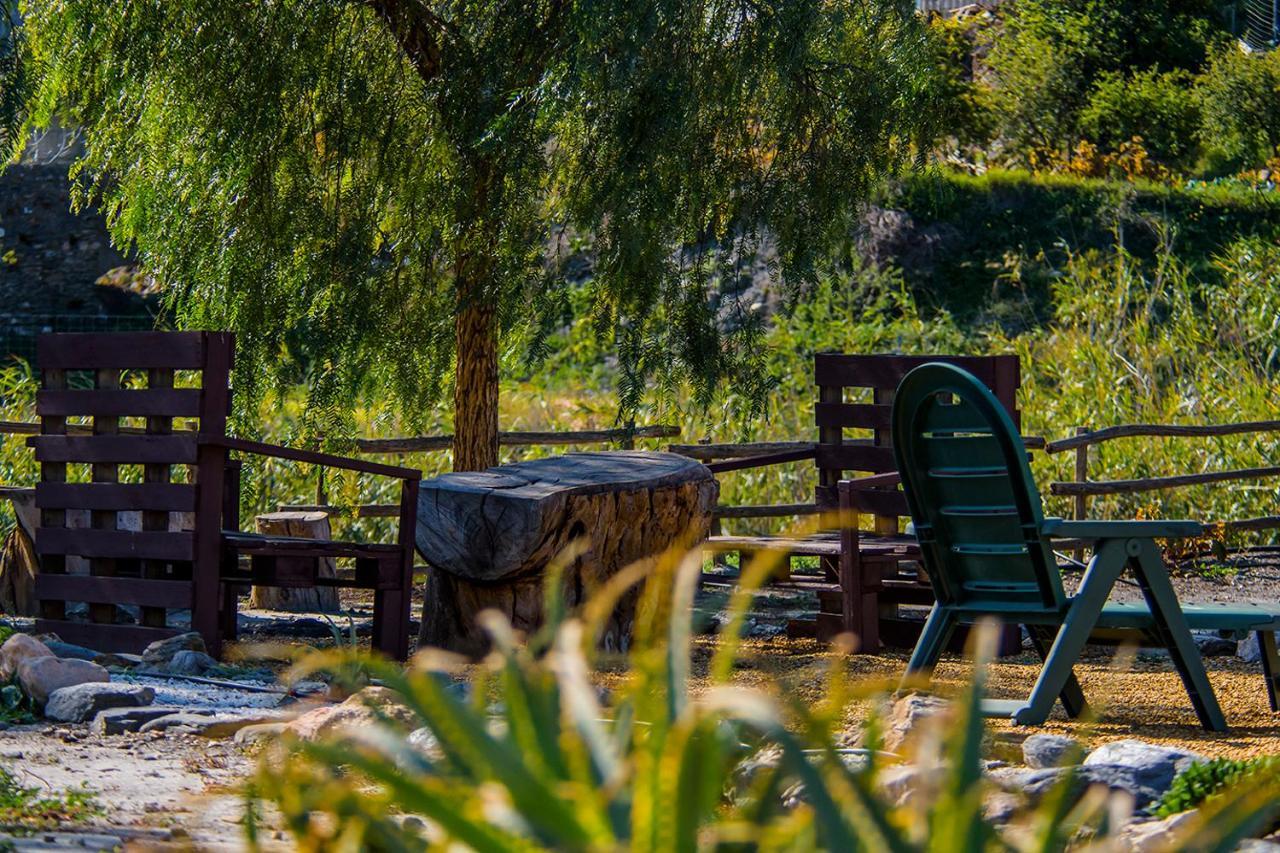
18, 332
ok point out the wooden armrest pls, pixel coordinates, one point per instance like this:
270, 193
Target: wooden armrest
875, 481
1058, 528
261, 448
762, 460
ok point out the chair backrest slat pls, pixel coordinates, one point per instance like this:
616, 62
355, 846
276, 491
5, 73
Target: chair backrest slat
972, 498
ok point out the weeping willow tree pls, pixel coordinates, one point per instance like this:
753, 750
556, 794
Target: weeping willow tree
373, 189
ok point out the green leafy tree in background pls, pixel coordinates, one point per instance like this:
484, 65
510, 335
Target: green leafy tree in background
1048, 56
375, 187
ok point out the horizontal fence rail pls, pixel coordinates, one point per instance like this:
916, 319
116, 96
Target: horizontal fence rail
1151, 484
1099, 436
427, 443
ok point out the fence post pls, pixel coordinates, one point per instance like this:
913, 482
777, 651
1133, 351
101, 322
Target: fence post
1082, 475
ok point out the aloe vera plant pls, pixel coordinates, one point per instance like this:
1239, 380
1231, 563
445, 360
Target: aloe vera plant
535, 760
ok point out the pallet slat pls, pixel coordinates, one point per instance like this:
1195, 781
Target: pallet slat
110, 590
131, 639
71, 351
886, 371
116, 544
165, 497
120, 449
169, 402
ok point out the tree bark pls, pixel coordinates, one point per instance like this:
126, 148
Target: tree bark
475, 395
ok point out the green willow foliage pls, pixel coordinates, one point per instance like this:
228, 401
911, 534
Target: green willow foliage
328, 177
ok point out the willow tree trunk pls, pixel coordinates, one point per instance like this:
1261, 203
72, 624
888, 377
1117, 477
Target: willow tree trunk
475, 394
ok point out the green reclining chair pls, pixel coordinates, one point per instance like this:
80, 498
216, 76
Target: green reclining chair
986, 546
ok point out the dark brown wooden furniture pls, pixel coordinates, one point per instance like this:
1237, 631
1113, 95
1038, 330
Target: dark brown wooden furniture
868, 573
151, 420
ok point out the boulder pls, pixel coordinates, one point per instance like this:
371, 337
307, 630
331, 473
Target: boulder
189, 662
161, 652
906, 716
357, 711
81, 702
1148, 768
117, 721
41, 676
19, 648
900, 783
210, 725
1041, 751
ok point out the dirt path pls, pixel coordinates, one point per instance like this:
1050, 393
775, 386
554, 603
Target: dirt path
157, 790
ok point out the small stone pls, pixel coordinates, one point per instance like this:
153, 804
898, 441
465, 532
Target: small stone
1041, 751
161, 652
425, 742
901, 783
18, 648
1257, 845
259, 732
119, 660
906, 716
1212, 645
1000, 807
81, 702
70, 650
1248, 649
116, 721
1155, 835
188, 662
41, 676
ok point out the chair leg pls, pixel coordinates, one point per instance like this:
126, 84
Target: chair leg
227, 617
391, 617
1059, 664
933, 639
1171, 624
1270, 667
1072, 695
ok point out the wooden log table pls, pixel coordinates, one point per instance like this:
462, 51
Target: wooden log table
490, 535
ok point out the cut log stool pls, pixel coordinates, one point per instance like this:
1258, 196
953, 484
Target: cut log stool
490, 535
298, 599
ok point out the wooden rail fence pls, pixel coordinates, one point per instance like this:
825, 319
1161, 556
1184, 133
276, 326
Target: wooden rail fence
1082, 488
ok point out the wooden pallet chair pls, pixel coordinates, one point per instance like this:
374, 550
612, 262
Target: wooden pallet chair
181, 550
988, 551
868, 574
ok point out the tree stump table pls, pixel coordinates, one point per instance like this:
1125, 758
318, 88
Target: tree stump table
489, 536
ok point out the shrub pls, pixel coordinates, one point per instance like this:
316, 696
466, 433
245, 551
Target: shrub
1159, 108
1206, 779
1240, 98
1049, 56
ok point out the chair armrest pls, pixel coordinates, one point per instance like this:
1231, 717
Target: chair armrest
762, 460
1059, 528
261, 448
875, 481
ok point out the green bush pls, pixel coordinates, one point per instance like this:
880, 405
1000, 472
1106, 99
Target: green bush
1049, 55
1160, 108
1240, 99
1206, 779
